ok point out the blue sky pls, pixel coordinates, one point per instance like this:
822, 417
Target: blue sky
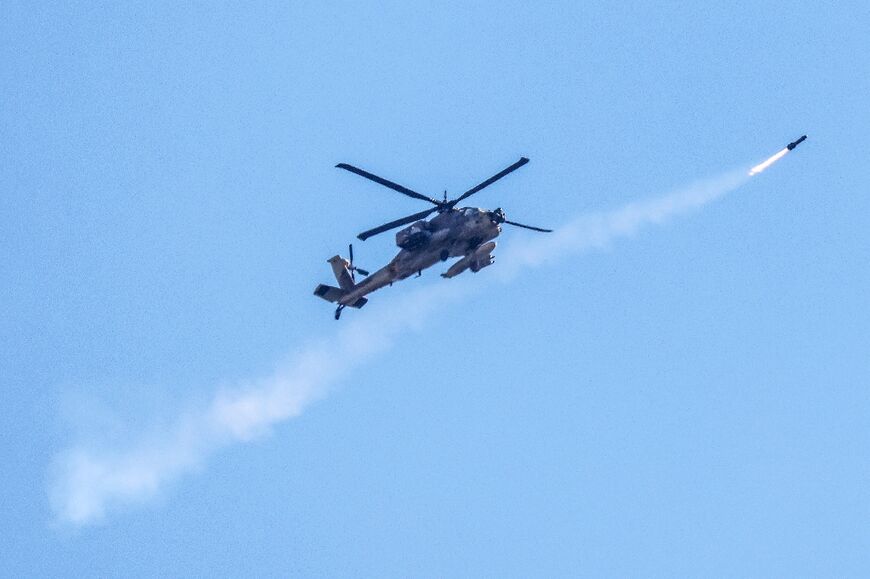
690, 400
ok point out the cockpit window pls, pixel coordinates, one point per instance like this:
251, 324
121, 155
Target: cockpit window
470, 212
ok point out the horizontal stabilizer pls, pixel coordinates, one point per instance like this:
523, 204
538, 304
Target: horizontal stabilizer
329, 293
334, 294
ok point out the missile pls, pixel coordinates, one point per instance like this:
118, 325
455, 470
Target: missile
796, 143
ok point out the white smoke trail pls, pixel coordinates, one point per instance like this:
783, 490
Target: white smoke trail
598, 230
87, 481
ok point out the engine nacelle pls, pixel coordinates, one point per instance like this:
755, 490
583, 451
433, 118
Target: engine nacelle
414, 237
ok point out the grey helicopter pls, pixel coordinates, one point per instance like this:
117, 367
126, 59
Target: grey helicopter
464, 232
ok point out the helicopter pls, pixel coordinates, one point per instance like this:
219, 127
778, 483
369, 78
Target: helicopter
464, 232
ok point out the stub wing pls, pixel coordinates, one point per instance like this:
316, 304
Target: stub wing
476, 260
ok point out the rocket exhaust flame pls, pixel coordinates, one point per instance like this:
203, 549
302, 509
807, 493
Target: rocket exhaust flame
762, 166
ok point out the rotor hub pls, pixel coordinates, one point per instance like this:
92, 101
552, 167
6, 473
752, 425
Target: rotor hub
497, 216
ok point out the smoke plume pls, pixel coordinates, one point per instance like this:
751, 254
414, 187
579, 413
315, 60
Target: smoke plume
89, 481
598, 230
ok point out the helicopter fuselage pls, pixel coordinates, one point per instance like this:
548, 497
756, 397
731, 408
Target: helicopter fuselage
453, 233
466, 233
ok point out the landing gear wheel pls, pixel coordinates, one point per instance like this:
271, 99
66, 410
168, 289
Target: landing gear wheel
445, 254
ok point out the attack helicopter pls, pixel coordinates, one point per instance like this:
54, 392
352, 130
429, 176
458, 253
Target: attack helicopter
464, 232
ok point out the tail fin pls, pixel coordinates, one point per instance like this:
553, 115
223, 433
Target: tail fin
342, 273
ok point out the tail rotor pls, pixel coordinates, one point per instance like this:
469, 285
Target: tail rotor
352, 268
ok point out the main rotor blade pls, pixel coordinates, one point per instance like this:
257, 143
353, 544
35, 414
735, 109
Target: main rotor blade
385, 183
393, 224
529, 227
490, 181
